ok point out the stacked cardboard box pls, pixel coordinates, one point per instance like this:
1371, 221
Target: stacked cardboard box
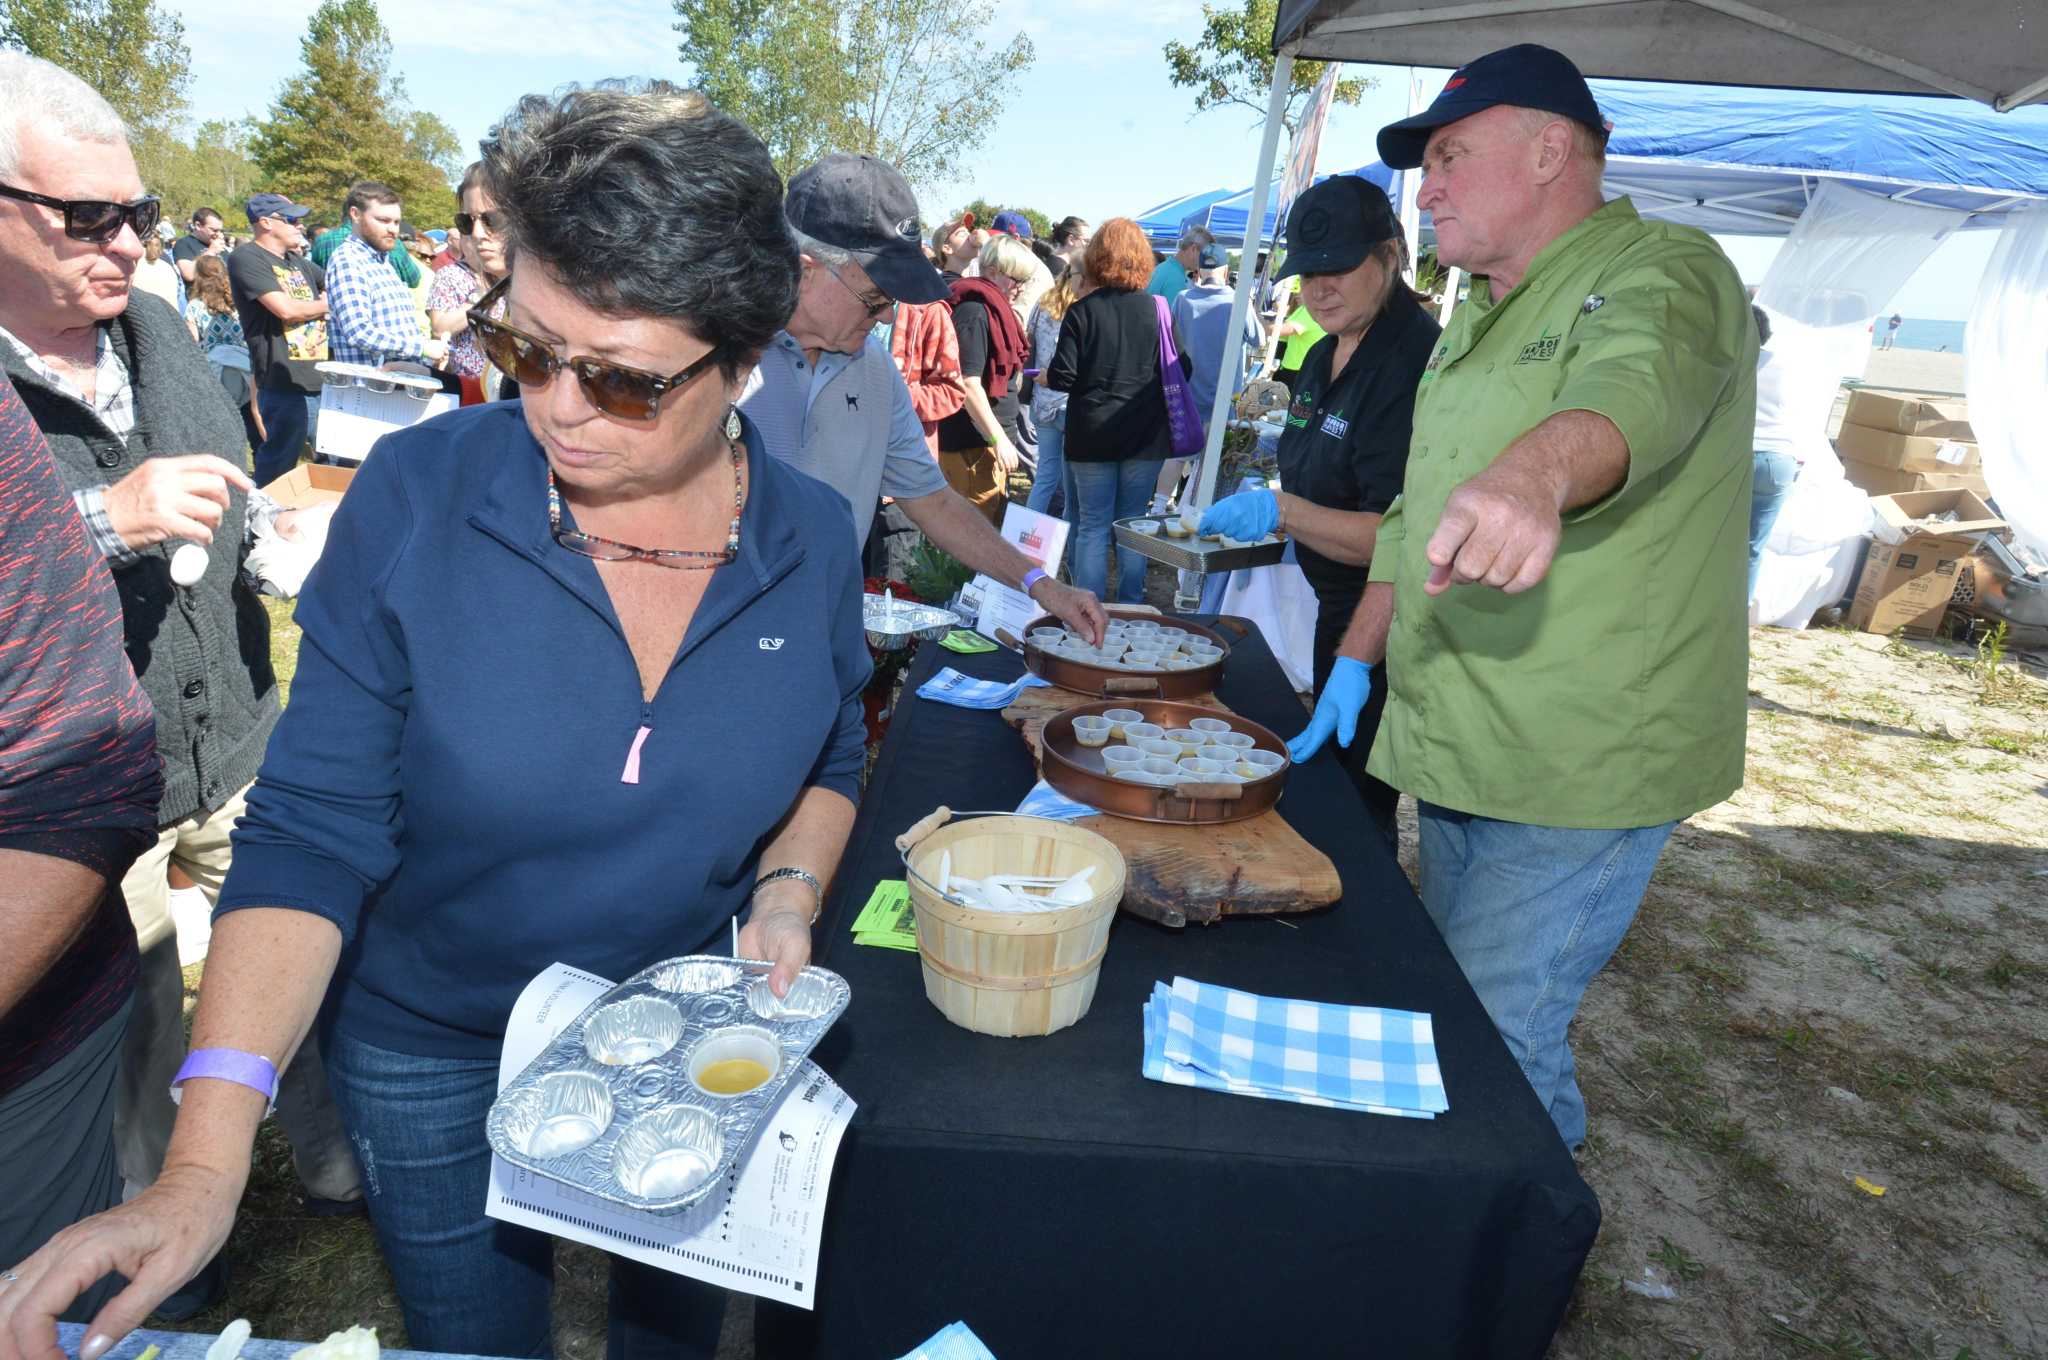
1893, 442
1915, 552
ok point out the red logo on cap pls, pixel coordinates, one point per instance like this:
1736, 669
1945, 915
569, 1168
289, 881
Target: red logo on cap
1454, 82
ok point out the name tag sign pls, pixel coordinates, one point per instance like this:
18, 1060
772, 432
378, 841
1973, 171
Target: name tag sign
1336, 426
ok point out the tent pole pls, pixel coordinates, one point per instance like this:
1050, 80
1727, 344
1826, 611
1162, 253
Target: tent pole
1219, 415
1411, 185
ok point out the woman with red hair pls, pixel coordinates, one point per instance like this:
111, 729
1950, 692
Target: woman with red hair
1107, 362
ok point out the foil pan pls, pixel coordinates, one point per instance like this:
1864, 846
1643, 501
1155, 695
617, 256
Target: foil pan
635, 1102
894, 624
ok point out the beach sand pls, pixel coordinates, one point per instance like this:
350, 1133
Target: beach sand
1915, 370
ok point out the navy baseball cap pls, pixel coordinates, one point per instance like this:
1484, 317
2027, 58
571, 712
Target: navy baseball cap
261, 206
1012, 224
865, 208
1334, 225
1527, 75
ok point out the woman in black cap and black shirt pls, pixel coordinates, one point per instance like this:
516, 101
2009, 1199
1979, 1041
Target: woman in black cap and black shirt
1345, 444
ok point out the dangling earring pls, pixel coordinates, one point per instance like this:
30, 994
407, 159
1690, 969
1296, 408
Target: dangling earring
732, 423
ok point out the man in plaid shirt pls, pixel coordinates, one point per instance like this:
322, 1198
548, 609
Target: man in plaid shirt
370, 313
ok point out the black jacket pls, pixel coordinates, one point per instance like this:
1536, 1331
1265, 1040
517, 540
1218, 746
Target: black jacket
202, 653
1107, 362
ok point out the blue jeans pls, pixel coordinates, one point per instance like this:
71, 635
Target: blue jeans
285, 426
1048, 482
1531, 913
1103, 492
467, 1283
1775, 473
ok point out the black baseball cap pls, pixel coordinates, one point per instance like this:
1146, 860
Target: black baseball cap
261, 206
1527, 75
1334, 225
865, 208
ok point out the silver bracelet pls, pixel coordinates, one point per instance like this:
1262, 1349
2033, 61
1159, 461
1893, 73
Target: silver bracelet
791, 871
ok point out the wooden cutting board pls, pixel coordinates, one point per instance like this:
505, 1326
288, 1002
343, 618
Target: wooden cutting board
1175, 875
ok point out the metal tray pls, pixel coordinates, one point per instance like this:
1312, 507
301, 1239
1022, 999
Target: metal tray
613, 1105
1196, 554
1085, 678
1078, 771
894, 624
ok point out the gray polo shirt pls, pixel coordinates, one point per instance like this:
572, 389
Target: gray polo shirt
847, 420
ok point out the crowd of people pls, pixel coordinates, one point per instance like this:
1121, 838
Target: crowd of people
532, 619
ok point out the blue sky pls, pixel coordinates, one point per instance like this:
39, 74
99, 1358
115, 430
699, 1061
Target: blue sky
1095, 127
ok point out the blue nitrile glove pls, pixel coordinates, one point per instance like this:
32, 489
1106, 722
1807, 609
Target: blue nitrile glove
1337, 707
1248, 516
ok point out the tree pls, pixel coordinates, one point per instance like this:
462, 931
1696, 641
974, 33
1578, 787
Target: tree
130, 51
985, 213
909, 81
345, 118
927, 87
214, 170
773, 64
1232, 63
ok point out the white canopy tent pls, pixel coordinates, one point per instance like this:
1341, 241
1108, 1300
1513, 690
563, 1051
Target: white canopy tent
1992, 51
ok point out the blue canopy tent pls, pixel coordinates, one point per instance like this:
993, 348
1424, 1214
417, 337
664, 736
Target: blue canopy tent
1743, 161
1161, 222
1225, 217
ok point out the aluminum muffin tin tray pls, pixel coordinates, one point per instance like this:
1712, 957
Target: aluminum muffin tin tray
617, 1104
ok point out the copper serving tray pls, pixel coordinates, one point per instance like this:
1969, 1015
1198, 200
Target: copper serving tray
1085, 678
1077, 770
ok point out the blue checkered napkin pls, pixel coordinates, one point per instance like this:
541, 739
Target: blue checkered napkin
1347, 1057
956, 1341
1046, 801
963, 691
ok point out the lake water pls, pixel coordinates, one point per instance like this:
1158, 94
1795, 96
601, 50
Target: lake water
1920, 333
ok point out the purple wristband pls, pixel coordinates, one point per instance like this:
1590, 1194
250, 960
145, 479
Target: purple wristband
1032, 578
252, 1070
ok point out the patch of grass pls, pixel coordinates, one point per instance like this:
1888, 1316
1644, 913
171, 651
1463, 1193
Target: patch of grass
284, 643
1675, 1262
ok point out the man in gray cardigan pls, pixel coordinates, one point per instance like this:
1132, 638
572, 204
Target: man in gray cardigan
138, 426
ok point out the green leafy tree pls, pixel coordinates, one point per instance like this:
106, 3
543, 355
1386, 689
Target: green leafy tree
774, 64
131, 51
346, 118
985, 213
213, 170
1232, 63
914, 82
928, 87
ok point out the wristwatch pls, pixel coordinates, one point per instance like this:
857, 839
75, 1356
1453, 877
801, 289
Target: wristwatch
791, 871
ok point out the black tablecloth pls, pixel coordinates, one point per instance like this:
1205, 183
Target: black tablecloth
1063, 1205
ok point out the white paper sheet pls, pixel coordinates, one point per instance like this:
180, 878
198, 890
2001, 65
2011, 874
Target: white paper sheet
353, 418
759, 1235
1043, 539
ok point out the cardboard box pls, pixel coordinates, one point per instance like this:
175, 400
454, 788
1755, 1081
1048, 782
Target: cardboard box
1932, 514
1905, 452
1905, 587
1914, 561
1877, 481
1914, 413
310, 484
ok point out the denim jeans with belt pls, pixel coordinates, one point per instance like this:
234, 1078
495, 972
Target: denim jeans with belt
1531, 913
467, 1283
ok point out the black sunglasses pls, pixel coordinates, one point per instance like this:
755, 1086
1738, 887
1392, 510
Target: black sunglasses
615, 389
494, 220
96, 219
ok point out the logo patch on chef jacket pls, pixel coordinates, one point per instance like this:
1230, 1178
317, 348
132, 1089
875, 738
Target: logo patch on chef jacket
1540, 350
1335, 426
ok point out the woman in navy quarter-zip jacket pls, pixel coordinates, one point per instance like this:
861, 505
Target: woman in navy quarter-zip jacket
580, 682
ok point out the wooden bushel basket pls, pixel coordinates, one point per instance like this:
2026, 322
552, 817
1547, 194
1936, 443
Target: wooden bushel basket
1002, 972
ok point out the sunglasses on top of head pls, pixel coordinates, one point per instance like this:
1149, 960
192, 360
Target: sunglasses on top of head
97, 220
615, 389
